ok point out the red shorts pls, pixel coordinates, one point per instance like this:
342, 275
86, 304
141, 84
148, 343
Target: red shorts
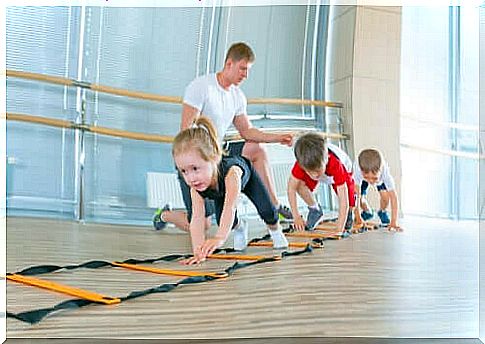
311, 183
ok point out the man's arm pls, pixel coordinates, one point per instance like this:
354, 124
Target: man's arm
189, 115
249, 133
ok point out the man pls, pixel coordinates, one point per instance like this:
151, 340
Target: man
219, 97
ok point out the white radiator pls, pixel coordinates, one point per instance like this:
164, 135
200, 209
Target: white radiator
281, 173
163, 188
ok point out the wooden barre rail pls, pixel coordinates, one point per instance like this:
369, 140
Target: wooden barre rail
155, 97
130, 134
94, 129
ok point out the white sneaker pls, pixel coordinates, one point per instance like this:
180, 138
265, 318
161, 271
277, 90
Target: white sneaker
240, 235
279, 239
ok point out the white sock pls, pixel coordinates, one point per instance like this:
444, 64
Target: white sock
279, 239
315, 206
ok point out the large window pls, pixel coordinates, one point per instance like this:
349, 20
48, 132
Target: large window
439, 111
62, 172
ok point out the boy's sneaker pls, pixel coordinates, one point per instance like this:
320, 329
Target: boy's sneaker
350, 220
314, 217
279, 239
384, 216
240, 235
158, 223
367, 215
284, 213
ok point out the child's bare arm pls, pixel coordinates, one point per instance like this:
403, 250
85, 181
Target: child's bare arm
343, 201
196, 227
292, 186
298, 222
394, 210
357, 210
233, 190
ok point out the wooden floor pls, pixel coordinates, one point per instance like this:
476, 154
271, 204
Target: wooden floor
420, 283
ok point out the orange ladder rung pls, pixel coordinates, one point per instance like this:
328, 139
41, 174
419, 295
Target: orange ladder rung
291, 244
169, 271
240, 257
313, 235
64, 289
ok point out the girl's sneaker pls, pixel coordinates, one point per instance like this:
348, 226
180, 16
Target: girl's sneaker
284, 213
158, 223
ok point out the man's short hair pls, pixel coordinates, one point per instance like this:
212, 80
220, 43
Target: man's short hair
370, 160
311, 151
240, 51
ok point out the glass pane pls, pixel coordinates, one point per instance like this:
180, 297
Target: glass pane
40, 181
469, 56
424, 104
425, 188
277, 37
468, 112
467, 188
149, 58
424, 63
115, 177
41, 169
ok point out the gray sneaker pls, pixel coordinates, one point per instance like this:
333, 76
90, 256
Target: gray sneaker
284, 213
314, 217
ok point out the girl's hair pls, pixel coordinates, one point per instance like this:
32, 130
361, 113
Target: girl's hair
202, 137
370, 160
311, 151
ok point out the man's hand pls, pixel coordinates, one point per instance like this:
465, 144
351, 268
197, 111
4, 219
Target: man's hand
286, 139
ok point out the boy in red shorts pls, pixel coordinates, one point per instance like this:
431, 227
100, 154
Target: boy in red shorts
316, 161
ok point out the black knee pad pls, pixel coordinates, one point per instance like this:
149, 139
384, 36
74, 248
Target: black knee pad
269, 216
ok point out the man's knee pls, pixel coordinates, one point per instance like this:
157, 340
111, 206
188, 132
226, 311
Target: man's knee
254, 151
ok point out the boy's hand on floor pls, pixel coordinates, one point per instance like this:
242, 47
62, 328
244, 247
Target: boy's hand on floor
395, 227
299, 223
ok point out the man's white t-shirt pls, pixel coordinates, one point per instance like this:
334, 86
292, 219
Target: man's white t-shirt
221, 106
385, 177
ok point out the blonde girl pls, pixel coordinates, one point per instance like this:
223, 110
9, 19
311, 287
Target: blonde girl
211, 174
